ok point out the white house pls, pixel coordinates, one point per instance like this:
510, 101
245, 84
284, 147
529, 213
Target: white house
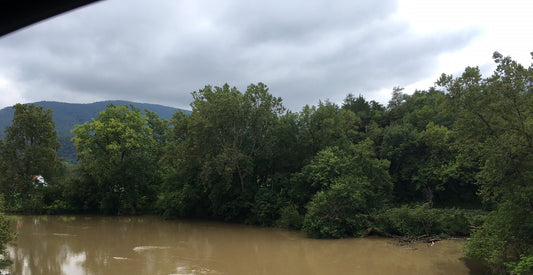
38, 179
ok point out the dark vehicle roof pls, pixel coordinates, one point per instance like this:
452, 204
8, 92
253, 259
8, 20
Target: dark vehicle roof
17, 14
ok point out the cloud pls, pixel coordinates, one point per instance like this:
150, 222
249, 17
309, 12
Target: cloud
161, 51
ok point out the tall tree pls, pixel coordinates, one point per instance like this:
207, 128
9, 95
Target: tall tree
328, 125
351, 185
30, 149
360, 107
228, 145
116, 153
495, 130
234, 129
400, 147
435, 157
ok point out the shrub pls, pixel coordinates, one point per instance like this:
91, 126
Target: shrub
423, 220
58, 207
6, 235
336, 213
453, 222
290, 217
397, 221
265, 210
182, 202
524, 266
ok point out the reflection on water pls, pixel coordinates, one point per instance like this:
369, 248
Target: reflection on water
151, 245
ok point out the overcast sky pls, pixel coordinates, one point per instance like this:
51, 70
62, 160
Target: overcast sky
305, 51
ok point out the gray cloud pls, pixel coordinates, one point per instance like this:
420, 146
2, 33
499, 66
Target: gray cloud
161, 51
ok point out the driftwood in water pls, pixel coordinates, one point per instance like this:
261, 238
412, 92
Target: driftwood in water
406, 240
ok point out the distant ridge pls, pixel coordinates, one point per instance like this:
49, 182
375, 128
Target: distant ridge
67, 115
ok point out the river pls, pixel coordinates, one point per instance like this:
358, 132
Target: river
151, 245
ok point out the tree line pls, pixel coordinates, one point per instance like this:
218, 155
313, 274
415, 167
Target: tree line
330, 170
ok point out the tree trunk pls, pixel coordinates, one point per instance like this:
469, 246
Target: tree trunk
133, 207
428, 194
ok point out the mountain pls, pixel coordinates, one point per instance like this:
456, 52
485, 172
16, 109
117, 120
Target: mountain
67, 115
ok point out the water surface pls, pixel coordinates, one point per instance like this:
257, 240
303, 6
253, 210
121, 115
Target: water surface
151, 245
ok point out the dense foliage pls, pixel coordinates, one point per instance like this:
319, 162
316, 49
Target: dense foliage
495, 131
6, 236
29, 150
67, 115
332, 171
118, 158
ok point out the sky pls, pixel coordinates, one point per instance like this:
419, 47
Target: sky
303, 50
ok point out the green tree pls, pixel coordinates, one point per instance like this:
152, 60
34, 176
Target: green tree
425, 165
441, 174
182, 192
419, 109
116, 156
360, 107
30, 149
227, 145
495, 129
291, 148
6, 236
234, 129
436, 156
371, 114
397, 107
328, 125
351, 184
400, 147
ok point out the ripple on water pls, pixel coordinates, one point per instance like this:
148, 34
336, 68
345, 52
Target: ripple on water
64, 235
184, 270
139, 249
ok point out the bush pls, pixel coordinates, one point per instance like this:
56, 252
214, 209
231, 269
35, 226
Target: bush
423, 220
397, 221
6, 235
230, 203
336, 213
180, 203
453, 222
59, 207
290, 217
351, 184
524, 266
504, 241
265, 210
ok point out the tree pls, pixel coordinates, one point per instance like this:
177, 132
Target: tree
400, 147
360, 107
423, 160
436, 155
30, 149
233, 128
116, 155
495, 129
291, 148
182, 192
328, 125
369, 112
227, 145
351, 185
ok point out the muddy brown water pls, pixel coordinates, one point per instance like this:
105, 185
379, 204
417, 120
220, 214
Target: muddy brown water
151, 245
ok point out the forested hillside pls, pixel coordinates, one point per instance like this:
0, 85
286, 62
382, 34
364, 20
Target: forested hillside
409, 168
67, 115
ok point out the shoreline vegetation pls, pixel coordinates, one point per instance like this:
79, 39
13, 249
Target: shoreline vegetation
453, 160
